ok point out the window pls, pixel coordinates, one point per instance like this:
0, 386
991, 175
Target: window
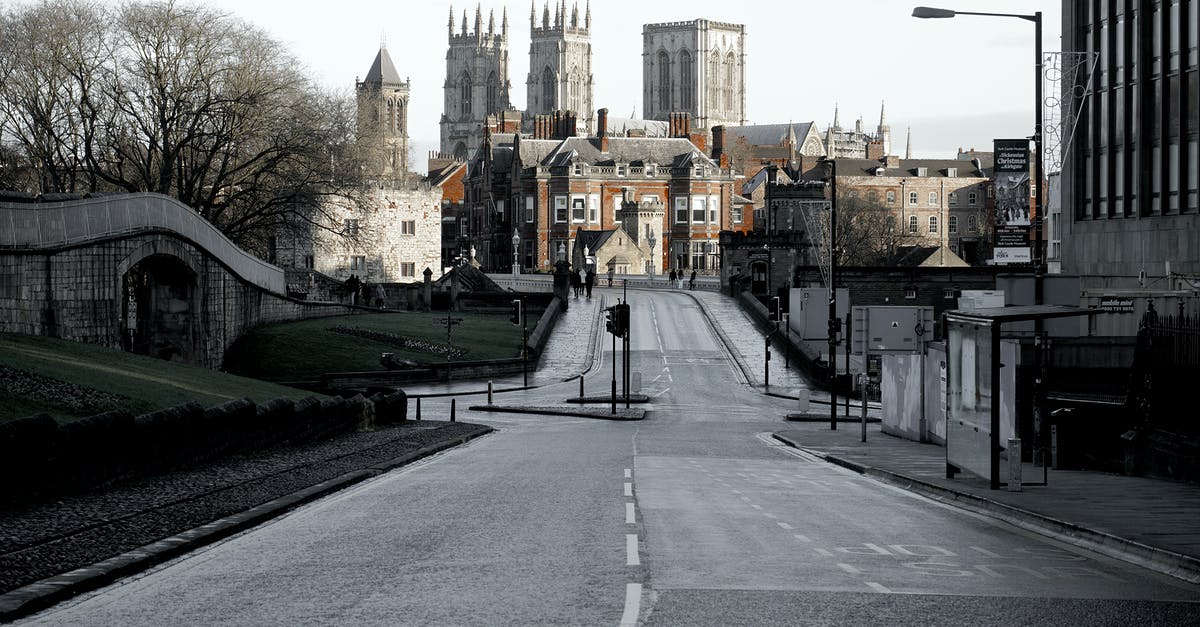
949, 293
529, 208
972, 198
464, 95
408, 227
621, 171
681, 209
594, 208
464, 228
617, 200
685, 81
891, 197
408, 269
912, 198
664, 81
699, 209
873, 197
351, 227
549, 85
953, 224
560, 208
910, 293
358, 263
952, 199
933, 225
713, 206
310, 262
973, 224
493, 104
699, 255
735, 214
932, 199
578, 210
912, 224
650, 170
578, 170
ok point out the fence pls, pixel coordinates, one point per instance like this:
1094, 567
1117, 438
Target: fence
1172, 347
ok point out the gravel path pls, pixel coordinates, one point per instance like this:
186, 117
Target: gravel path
48, 539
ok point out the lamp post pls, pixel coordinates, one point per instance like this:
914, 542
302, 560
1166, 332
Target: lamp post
1036, 18
650, 239
516, 242
834, 321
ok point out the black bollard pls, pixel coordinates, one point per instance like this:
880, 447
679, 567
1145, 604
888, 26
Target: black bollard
418, 408
452, 401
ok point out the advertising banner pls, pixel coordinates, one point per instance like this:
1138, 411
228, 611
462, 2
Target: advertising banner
1012, 218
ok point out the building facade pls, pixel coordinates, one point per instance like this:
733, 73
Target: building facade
696, 67
477, 83
383, 114
859, 143
1130, 208
560, 63
545, 189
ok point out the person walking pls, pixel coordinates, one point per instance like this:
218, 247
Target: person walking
692, 281
588, 282
674, 277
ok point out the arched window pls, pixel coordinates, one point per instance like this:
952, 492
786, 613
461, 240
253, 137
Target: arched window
730, 82
714, 82
664, 81
687, 81
549, 100
464, 95
912, 224
391, 116
492, 94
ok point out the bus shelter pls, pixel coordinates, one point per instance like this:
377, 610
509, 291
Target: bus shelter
973, 384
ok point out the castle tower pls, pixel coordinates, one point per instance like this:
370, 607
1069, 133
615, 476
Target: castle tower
560, 63
477, 83
383, 115
696, 67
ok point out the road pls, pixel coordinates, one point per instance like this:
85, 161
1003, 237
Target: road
693, 516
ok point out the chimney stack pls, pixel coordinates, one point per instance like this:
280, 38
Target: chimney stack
602, 129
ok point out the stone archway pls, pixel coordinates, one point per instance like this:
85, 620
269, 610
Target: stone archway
158, 308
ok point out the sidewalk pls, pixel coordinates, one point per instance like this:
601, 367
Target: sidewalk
1151, 522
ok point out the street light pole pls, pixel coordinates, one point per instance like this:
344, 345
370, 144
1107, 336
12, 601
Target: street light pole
833, 317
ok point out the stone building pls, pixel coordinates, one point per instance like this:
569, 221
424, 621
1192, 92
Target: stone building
696, 67
858, 143
560, 64
546, 188
383, 114
477, 83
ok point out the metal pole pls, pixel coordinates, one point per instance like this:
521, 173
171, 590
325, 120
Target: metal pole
614, 375
580, 386
767, 361
489, 392
846, 334
833, 319
787, 342
524, 346
862, 389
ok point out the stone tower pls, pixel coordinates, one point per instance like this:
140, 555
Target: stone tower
383, 115
696, 67
883, 132
477, 82
560, 63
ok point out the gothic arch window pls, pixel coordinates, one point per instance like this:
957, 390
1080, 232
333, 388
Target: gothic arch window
492, 94
464, 95
390, 113
664, 81
401, 117
549, 101
714, 83
687, 81
460, 150
730, 82
574, 90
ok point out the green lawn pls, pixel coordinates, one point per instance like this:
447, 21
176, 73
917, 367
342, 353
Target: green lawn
70, 380
303, 350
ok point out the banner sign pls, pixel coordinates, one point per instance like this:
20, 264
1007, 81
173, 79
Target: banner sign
1011, 185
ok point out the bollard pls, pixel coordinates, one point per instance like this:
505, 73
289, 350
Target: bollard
418, 408
1014, 464
636, 382
803, 396
580, 386
489, 392
452, 401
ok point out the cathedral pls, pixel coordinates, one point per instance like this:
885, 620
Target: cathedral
695, 67
477, 82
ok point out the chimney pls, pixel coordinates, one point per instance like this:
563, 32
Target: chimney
718, 145
892, 161
875, 150
602, 129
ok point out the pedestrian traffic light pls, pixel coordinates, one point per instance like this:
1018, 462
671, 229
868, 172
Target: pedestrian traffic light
775, 313
515, 318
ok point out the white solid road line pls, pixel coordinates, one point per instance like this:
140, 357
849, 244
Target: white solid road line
629, 514
631, 550
633, 604
850, 569
878, 587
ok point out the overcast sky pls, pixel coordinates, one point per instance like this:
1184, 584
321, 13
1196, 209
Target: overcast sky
956, 82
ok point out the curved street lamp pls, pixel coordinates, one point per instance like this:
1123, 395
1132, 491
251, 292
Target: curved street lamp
516, 243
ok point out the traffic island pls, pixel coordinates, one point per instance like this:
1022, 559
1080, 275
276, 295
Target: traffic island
633, 398
824, 417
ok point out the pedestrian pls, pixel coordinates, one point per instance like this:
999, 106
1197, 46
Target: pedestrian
680, 277
692, 281
673, 277
352, 284
379, 295
575, 284
611, 272
589, 281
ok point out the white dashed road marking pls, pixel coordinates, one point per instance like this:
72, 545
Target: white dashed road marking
633, 604
631, 550
878, 587
629, 515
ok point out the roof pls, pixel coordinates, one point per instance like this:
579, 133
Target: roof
382, 70
1020, 313
619, 127
592, 239
769, 134
676, 151
935, 168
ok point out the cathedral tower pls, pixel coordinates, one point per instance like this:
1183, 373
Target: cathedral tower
560, 62
477, 82
696, 67
383, 114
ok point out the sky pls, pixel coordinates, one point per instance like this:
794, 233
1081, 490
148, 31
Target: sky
956, 83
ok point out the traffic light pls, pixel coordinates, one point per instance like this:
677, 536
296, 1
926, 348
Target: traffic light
775, 314
610, 319
515, 318
622, 321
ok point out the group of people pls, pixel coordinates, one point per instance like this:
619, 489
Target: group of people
677, 279
364, 294
583, 281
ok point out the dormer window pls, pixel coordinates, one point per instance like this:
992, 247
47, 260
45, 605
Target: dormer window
578, 169
951, 172
650, 169
922, 171
621, 170
880, 170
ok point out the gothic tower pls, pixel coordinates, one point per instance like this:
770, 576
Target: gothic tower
383, 115
696, 67
884, 132
560, 63
477, 82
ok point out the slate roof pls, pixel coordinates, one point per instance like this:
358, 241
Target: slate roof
934, 168
676, 152
382, 70
768, 134
593, 239
618, 127
926, 256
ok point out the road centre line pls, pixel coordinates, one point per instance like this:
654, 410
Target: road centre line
629, 514
631, 550
784, 525
878, 587
633, 604
824, 552
801, 537
628, 489
850, 569
628, 473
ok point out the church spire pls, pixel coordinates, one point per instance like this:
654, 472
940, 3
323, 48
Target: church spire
464, 23
882, 116
587, 15
836, 123
450, 25
478, 21
504, 23
491, 21
575, 15
908, 145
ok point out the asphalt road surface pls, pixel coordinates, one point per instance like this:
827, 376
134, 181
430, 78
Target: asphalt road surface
694, 516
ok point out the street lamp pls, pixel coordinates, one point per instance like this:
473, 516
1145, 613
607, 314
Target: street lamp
1036, 18
830, 166
516, 242
650, 239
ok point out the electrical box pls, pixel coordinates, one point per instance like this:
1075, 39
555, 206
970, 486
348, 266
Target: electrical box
808, 311
877, 330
